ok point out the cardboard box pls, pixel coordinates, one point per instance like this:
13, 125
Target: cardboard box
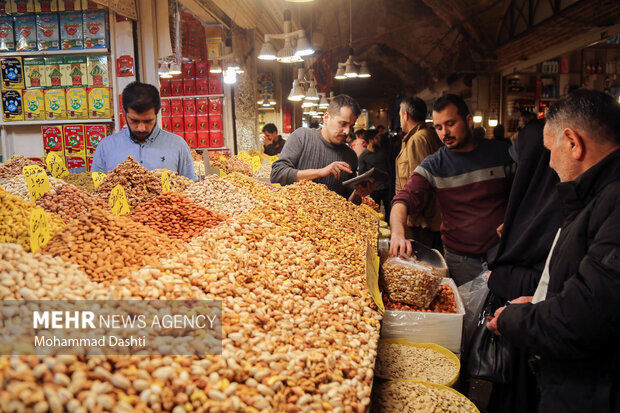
71, 31
34, 104
178, 124
42, 6
190, 123
203, 140
95, 29
12, 108
77, 103
99, 104
12, 73
165, 108
189, 87
165, 87
216, 139
34, 72
48, 31
7, 38
25, 32
188, 70
93, 134
176, 107
55, 104
74, 162
202, 69
90, 5
23, 6
202, 123
52, 138
215, 106
189, 107
97, 68
192, 139
74, 71
54, 67
215, 122
202, 106
177, 86
75, 143
215, 85
202, 86
166, 124
69, 5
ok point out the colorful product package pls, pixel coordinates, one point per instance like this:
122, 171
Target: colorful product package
42, 6
99, 105
12, 73
215, 106
7, 38
202, 69
55, 104
34, 104
216, 139
215, 122
54, 72
202, 86
165, 87
189, 87
90, 5
202, 139
75, 144
166, 124
178, 124
71, 32
190, 123
202, 123
95, 33
215, 85
97, 68
165, 108
34, 72
191, 138
5, 6
202, 106
189, 107
69, 5
23, 6
74, 70
176, 87
52, 138
176, 107
89, 162
77, 103
25, 32
188, 70
74, 162
48, 31
12, 109
94, 134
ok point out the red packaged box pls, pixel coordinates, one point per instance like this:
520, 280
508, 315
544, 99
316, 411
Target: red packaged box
177, 87
89, 163
94, 135
202, 123
202, 69
74, 139
202, 106
192, 139
215, 106
215, 85
202, 86
52, 138
165, 108
176, 107
165, 87
190, 123
216, 140
75, 162
203, 139
121, 119
189, 107
188, 70
178, 124
166, 124
189, 87
215, 122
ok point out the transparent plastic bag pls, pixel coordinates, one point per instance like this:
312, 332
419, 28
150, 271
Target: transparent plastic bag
473, 294
410, 281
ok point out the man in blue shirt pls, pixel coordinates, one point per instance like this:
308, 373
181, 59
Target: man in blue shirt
149, 145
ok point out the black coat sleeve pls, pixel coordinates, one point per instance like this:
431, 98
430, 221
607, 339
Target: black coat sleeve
512, 281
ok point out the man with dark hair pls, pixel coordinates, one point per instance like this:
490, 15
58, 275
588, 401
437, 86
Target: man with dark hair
572, 323
471, 180
322, 154
375, 156
419, 142
273, 143
149, 145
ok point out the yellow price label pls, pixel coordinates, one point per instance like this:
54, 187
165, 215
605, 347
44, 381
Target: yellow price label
56, 165
39, 229
222, 174
277, 185
36, 179
244, 156
223, 158
372, 277
165, 182
11, 157
256, 163
98, 178
118, 201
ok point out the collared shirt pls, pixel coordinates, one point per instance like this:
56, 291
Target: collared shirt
275, 148
160, 150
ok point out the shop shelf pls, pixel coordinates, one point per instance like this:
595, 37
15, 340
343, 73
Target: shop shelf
57, 52
191, 97
54, 122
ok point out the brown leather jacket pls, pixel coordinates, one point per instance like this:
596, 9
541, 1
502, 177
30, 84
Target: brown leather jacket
420, 142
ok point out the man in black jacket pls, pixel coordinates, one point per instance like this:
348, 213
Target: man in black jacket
572, 324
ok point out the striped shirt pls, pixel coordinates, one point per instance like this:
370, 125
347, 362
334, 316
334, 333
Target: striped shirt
472, 191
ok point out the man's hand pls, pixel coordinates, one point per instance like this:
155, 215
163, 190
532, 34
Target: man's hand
499, 230
335, 168
365, 188
399, 246
492, 323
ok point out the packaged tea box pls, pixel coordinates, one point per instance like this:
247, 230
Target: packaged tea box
95, 31
25, 32
48, 31
71, 32
12, 105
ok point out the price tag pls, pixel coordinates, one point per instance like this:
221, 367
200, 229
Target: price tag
277, 185
244, 156
222, 174
223, 158
256, 163
56, 165
272, 159
118, 201
39, 229
36, 179
165, 182
372, 277
98, 178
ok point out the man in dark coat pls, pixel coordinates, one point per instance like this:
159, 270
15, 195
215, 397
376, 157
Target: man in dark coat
572, 323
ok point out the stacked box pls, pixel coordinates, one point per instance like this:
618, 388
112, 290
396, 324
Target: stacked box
202, 86
99, 104
12, 109
69, 5
166, 124
54, 72
215, 85
25, 32
176, 85
75, 71
34, 104
71, 31
77, 103
176, 107
34, 72
7, 37
55, 104
93, 135
165, 87
75, 144
95, 30
23, 6
48, 31
52, 138
45, 6
12, 73
97, 68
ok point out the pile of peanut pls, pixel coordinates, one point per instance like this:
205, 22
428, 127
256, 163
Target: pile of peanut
17, 185
83, 180
15, 220
15, 165
407, 396
221, 196
176, 216
178, 183
139, 183
400, 361
70, 202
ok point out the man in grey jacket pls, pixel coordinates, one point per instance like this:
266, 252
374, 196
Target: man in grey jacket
322, 154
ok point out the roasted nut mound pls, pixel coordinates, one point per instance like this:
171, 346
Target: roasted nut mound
178, 183
70, 202
15, 165
412, 397
15, 220
264, 172
410, 281
400, 361
195, 155
16, 185
371, 203
199, 169
220, 196
251, 186
107, 246
176, 216
139, 183
444, 302
83, 180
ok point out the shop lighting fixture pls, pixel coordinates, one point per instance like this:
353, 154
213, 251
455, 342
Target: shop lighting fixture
364, 72
348, 69
272, 102
175, 69
323, 104
493, 120
340, 72
230, 76
312, 94
297, 92
296, 44
477, 116
215, 67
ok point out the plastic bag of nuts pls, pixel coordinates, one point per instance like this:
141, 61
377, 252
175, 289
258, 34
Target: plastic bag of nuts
411, 281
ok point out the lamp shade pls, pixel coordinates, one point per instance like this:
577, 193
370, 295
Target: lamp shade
175, 68
364, 73
349, 69
477, 116
297, 92
230, 76
323, 104
303, 47
267, 52
312, 94
215, 67
340, 73
287, 53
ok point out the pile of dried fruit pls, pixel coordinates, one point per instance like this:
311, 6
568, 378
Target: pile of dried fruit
17, 185
401, 361
410, 281
231, 165
219, 195
82, 180
15, 165
444, 302
408, 396
139, 184
257, 189
178, 183
70, 202
264, 172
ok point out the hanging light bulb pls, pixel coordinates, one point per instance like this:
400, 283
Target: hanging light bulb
175, 68
350, 71
272, 101
477, 116
340, 72
493, 119
267, 51
312, 94
215, 67
364, 73
323, 104
297, 92
230, 76
303, 47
